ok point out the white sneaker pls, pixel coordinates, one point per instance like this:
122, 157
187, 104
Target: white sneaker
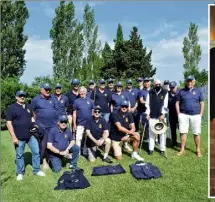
40, 173
19, 177
125, 146
137, 157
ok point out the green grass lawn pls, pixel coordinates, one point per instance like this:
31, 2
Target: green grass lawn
184, 179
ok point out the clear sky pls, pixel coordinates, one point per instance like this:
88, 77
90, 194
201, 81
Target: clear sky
162, 26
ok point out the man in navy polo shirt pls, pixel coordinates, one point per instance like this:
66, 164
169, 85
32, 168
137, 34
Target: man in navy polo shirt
72, 95
60, 99
97, 135
45, 112
19, 118
102, 97
173, 117
82, 111
61, 144
110, 86
90, 88
147, 84
190, 108
123, 130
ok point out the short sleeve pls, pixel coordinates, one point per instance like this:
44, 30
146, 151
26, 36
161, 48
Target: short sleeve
105, 124
34, 104
51, 136
115, 118
178, 96
70, 136
201, 98
92, 95
130, 118
9, 113
75, 105
88, 125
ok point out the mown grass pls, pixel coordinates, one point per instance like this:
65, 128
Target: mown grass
183, 178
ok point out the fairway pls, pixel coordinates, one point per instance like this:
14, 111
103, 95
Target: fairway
184, 178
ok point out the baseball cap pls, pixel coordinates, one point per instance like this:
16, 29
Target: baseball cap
146, 79
191, 77
129, 81
75, 82
166, 82
172, 84
139, 79
124, 103
110, 80
20, 92
119, 84
62, 118
97, 108
58, 86
45, 86
91, 82
157, 81
101, 81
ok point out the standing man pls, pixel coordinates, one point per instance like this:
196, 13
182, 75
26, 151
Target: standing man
60, 99
102, 97
97, 135
190, 108
19, 118
72, 95
45, 113
123, 130
60, 144
90, 88
110, 85
166, 85
147, 84
173, 117
158, 103
82, 111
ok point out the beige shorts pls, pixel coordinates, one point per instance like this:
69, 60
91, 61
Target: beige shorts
194, 121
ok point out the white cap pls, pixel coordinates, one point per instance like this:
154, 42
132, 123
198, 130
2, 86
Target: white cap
157, 81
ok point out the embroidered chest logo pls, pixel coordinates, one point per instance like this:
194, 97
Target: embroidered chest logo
122, 96
100, 125
132, 93
28, 110
65, 135
50, 102
126, 120
194, 92
162, 97
105, 95
88, 102
61, 101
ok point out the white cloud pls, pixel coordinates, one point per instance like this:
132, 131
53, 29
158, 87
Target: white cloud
104, 37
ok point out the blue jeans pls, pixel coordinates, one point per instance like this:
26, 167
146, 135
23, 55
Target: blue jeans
106, 116
56, 161
20, 149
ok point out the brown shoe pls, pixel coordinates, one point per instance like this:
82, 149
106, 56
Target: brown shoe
180, 153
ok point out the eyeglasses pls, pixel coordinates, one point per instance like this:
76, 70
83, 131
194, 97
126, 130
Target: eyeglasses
125, 107
97, 112
65, 122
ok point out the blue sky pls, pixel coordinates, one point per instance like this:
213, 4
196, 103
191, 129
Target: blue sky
162, 26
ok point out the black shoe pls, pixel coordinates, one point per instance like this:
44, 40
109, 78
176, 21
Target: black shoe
150, 152
107, 160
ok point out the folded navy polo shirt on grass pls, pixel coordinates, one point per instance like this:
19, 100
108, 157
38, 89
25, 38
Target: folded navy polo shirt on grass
21, 120
83, 108
59, 139
102, 99
45, 109
118, 99
133, 96
62, 104
190, 100
125, 122
96, 129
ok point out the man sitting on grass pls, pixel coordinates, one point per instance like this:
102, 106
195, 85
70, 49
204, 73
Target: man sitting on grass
123, 130
97, 135
61, 144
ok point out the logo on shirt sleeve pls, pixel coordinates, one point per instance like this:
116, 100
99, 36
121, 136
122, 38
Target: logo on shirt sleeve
100, 125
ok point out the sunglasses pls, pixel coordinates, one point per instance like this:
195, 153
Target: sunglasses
125, 107
97, 112
58, 88
20, 96
47, 90
64, 122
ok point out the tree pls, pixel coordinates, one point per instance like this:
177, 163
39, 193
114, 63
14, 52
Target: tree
13, 19
192, 56
67, 41
92, 46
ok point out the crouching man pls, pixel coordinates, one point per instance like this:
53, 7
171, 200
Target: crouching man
123, 130
97, 135
61, 144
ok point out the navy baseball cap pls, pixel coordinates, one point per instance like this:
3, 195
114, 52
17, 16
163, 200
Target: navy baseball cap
166, 82
91, 82
146, 79
110, 80
75, 82
20, 92
62, 118
172, 84
58, 86
124, 103
97, 108
139, 79
101, 81
45, 86
190, 78
119, 84
129, 81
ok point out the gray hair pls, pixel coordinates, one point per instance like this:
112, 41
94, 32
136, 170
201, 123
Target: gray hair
82, 88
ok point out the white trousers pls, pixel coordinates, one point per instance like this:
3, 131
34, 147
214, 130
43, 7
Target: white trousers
79, 136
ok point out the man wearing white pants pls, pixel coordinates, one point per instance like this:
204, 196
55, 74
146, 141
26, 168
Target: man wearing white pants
82, 111
190, 108
158, 103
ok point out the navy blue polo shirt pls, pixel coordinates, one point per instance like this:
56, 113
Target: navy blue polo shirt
133, 96
45, 109
89, 93
142, 94
190, 101
125, 122
83, 108
96, 129
171, 104
103, 99
117, 100
71, 98
59, 139
62, 104
21, 120
111, 91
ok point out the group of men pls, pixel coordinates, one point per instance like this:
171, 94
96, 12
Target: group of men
105, 116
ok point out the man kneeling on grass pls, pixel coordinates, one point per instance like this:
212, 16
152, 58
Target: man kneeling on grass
123, 130
61, 144
97, 135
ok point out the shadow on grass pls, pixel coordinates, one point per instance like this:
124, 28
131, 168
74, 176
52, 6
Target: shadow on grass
4, 178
